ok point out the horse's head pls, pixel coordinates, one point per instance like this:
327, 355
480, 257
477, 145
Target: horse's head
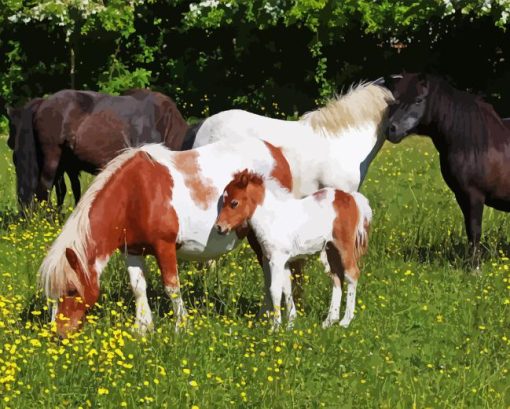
240, 199
78, 296
406, 113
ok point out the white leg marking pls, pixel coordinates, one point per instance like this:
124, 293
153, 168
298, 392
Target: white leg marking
178, 305
136, 266
277, 267
289, 301
265, 310
324, 261
351, 300
336, 299
54, 307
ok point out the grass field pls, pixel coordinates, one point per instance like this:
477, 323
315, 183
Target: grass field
427, 333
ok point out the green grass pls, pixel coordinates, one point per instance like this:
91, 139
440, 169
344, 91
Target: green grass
427, 333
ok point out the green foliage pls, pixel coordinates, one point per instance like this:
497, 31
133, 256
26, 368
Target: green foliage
249, 52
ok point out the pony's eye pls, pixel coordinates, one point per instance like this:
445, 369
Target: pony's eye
233, 204
419, 100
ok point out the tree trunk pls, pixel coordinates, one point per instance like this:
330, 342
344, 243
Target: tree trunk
72, 65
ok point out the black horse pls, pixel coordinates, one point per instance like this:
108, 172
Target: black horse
72, 131
472, 140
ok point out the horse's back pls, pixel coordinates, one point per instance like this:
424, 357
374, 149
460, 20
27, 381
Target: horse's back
237, 123
199, 177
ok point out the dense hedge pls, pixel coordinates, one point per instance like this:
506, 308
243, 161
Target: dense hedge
275, 56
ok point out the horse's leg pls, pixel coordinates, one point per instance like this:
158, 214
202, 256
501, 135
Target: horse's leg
289, 300
74, 177
336, 272
61, 190
167, 261
277, 266
298, 278
351, 273
264, 263
136, 266
471, 205
51, 161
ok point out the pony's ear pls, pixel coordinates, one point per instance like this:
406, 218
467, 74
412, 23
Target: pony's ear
390, 81
74, 262
244, 179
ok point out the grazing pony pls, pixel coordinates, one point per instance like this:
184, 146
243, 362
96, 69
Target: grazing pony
149, 200
71, 131
289, 228
472, 140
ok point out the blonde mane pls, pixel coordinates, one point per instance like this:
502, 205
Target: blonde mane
363, 103
55, 270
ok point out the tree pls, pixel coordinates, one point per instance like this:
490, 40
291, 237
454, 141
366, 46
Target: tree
77, 18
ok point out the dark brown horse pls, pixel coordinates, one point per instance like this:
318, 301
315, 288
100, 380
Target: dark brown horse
472, 140
71, 131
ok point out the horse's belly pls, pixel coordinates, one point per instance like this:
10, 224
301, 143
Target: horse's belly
215, 246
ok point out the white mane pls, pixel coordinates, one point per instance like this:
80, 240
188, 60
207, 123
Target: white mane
55, 271
365, 102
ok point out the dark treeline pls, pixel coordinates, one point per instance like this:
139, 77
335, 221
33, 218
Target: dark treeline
280, 59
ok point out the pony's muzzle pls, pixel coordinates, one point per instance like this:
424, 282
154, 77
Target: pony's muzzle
221, 229
392, 130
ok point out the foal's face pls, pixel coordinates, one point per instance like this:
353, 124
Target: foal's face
240, 199
74, 304
409, 108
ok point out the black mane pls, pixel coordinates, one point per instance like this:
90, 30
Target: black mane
466, 120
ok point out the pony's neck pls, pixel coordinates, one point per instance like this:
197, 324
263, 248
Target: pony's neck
265, 212
432, 123
448, 116
108, 230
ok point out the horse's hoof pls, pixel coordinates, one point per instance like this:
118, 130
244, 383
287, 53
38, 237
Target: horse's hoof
275, 327
345, 323
476, 271
181, 324
328, 323
142, 329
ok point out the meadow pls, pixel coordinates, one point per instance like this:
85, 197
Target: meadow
427, 332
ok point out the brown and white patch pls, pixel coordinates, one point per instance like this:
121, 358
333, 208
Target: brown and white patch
345, 230
281, 171
202, 191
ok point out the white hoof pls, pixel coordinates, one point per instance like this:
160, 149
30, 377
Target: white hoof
181, 323
142, 328
328, 323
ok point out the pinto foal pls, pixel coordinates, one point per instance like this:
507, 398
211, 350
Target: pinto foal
289, 228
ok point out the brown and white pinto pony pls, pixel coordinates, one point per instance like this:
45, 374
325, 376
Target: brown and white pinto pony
288, 228
149, 200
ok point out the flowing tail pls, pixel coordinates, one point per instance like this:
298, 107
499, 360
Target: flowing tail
25, 151
363, 228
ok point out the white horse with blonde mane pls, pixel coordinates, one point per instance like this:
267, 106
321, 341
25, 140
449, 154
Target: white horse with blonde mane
332, 146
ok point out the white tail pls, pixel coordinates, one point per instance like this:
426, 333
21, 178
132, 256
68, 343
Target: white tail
365, 218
